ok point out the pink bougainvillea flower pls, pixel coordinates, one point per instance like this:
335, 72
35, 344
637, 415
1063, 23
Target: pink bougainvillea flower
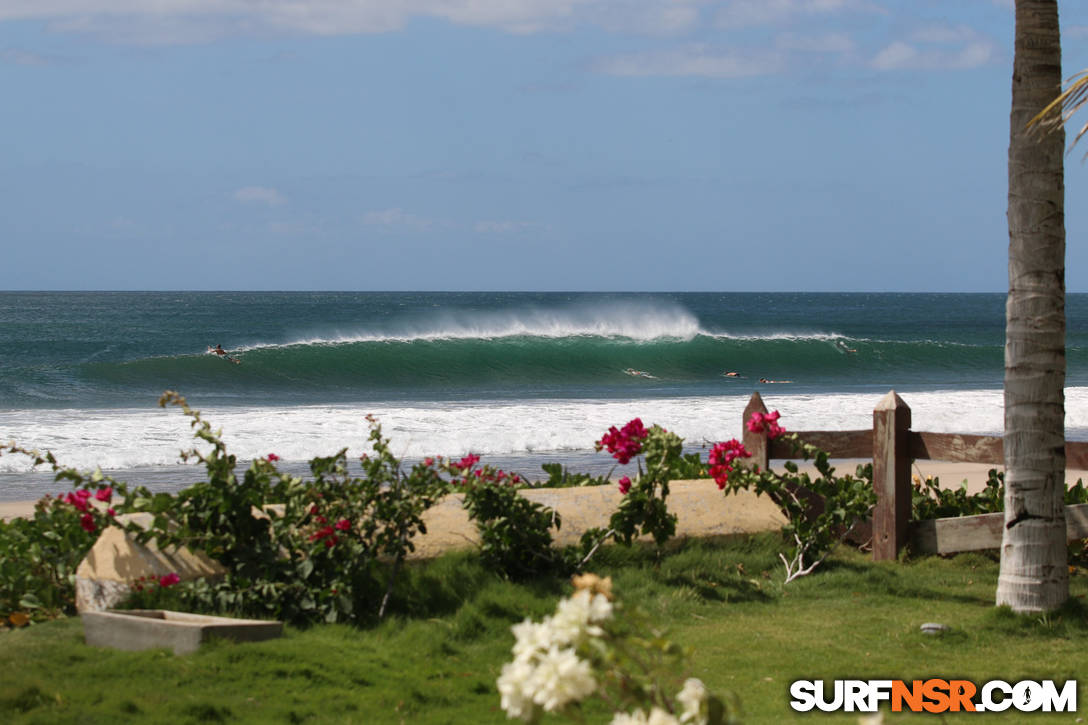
721, 460
79, 499
428, 461
765, 423
104, 494
314, 510
468, 461
110, 512
331, 542
272, 457
343, 525
320, 519
624, 443
625, 485
169, 580
87, 522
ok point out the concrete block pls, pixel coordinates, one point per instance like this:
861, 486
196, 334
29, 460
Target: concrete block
105, 576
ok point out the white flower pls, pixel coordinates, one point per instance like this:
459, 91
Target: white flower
660, 717
693, 700
513, 684
638, 717
560, 678
577, 617
532, 638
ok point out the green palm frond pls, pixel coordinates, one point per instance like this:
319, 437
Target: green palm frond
1062, 108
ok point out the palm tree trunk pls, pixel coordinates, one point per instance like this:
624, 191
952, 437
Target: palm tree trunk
1033, 548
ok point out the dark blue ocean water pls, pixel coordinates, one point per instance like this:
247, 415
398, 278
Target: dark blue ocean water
508, 374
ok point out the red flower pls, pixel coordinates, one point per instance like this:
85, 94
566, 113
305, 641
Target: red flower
104, 494
721, 459
78, 499
626, 443
110, 512
331, 542
272, 457
314, 510
322, 533
428, 462
765, 422
87, 522
467, 462
320, 519
343, 525
169, 580
625, 485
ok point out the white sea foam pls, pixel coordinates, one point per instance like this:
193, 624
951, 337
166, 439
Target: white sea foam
131, 438
634, 320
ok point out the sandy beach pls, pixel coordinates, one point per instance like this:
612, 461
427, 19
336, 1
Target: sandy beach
701, 508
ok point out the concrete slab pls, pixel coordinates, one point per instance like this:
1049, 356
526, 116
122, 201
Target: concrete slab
182, 632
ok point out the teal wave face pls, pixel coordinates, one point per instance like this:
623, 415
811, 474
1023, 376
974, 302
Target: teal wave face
120, 349
523, 365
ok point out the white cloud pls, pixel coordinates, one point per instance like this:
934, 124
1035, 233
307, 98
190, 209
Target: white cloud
259, 195
396, 218
937, 47
694, 60
746, 13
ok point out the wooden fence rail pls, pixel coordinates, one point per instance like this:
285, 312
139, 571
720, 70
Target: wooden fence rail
893, 447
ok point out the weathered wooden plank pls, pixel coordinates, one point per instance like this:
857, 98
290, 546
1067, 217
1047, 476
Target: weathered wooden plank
1076, 456
962, 533
975, 533
837, 443
1076, 521
957, 447
891, 476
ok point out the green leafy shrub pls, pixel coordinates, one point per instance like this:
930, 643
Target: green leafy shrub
821, 511
515, 533
321, 549
643, 509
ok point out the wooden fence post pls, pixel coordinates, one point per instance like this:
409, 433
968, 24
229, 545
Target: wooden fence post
755, 443
891, 476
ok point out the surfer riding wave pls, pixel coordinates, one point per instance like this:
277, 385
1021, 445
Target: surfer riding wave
220, 352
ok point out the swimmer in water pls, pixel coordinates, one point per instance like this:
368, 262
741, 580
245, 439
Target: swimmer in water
765, 380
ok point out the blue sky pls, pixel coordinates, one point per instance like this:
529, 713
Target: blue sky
780, 145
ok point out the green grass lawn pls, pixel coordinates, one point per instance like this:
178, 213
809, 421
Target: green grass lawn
437, 660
